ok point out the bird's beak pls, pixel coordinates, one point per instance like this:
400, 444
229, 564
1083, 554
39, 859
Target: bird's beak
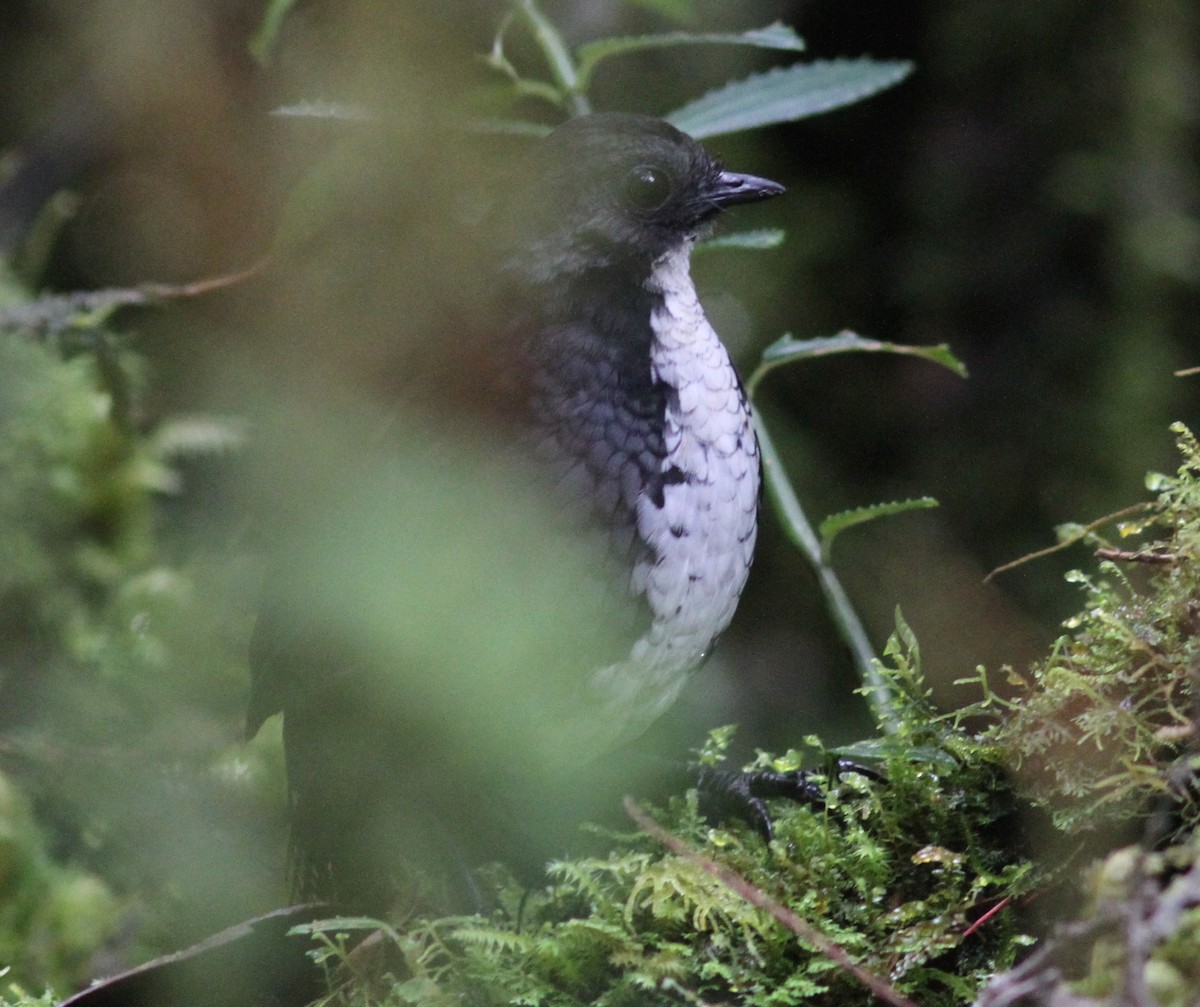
731, 188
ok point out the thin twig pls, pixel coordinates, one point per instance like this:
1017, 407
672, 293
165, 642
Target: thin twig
1139, 556
1083, 533
982, 921
756, 897
56, 312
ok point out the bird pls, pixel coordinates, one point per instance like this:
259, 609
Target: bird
625, 402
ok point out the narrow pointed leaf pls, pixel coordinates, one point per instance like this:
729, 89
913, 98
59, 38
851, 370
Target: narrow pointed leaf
872, 749
835, 523
787, 349
785, 94
774, 36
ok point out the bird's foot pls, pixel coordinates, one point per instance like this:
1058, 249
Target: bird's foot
742, 794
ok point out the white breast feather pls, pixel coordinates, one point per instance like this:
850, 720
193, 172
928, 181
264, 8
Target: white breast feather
703, 536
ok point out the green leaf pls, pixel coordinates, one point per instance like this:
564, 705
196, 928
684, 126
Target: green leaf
195, 436
567, 84
785, 94
264, 39
758, 240
337, 110
787, 349
835, 523
511, 127
682, 11
774, 36
877, 749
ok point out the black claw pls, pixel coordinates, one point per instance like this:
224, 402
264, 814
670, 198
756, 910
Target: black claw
742, 794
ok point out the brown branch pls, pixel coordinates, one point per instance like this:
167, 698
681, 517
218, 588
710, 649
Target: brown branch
1140, 556
195, 288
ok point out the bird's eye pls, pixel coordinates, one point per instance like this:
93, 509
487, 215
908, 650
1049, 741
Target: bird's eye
647, 188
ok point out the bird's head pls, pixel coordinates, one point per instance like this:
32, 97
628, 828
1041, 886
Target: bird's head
615, 189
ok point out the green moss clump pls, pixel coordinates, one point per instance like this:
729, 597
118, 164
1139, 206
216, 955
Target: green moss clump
72, 512
53, 917
1137, 941
1093, 727
895, 870
1104, 735
902, 871
121, 675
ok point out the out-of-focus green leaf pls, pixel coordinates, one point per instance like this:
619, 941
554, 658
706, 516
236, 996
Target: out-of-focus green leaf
512, 127
757, 240
785, 94
196, 436
340, 111
264, 38
774, 36
680, 11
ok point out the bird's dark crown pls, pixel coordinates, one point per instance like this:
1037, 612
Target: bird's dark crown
616, 190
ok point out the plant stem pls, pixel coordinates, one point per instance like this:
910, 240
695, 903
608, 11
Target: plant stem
800, 531
558, 56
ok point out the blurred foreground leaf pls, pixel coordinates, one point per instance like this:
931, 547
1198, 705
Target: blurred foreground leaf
774, 36
761, 239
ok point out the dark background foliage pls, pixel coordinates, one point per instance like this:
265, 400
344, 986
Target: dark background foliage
1028, 196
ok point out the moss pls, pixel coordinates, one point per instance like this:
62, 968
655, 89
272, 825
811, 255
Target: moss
119, 672
1104, 734
894, 869
1093, 727
53, 916
901, 870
